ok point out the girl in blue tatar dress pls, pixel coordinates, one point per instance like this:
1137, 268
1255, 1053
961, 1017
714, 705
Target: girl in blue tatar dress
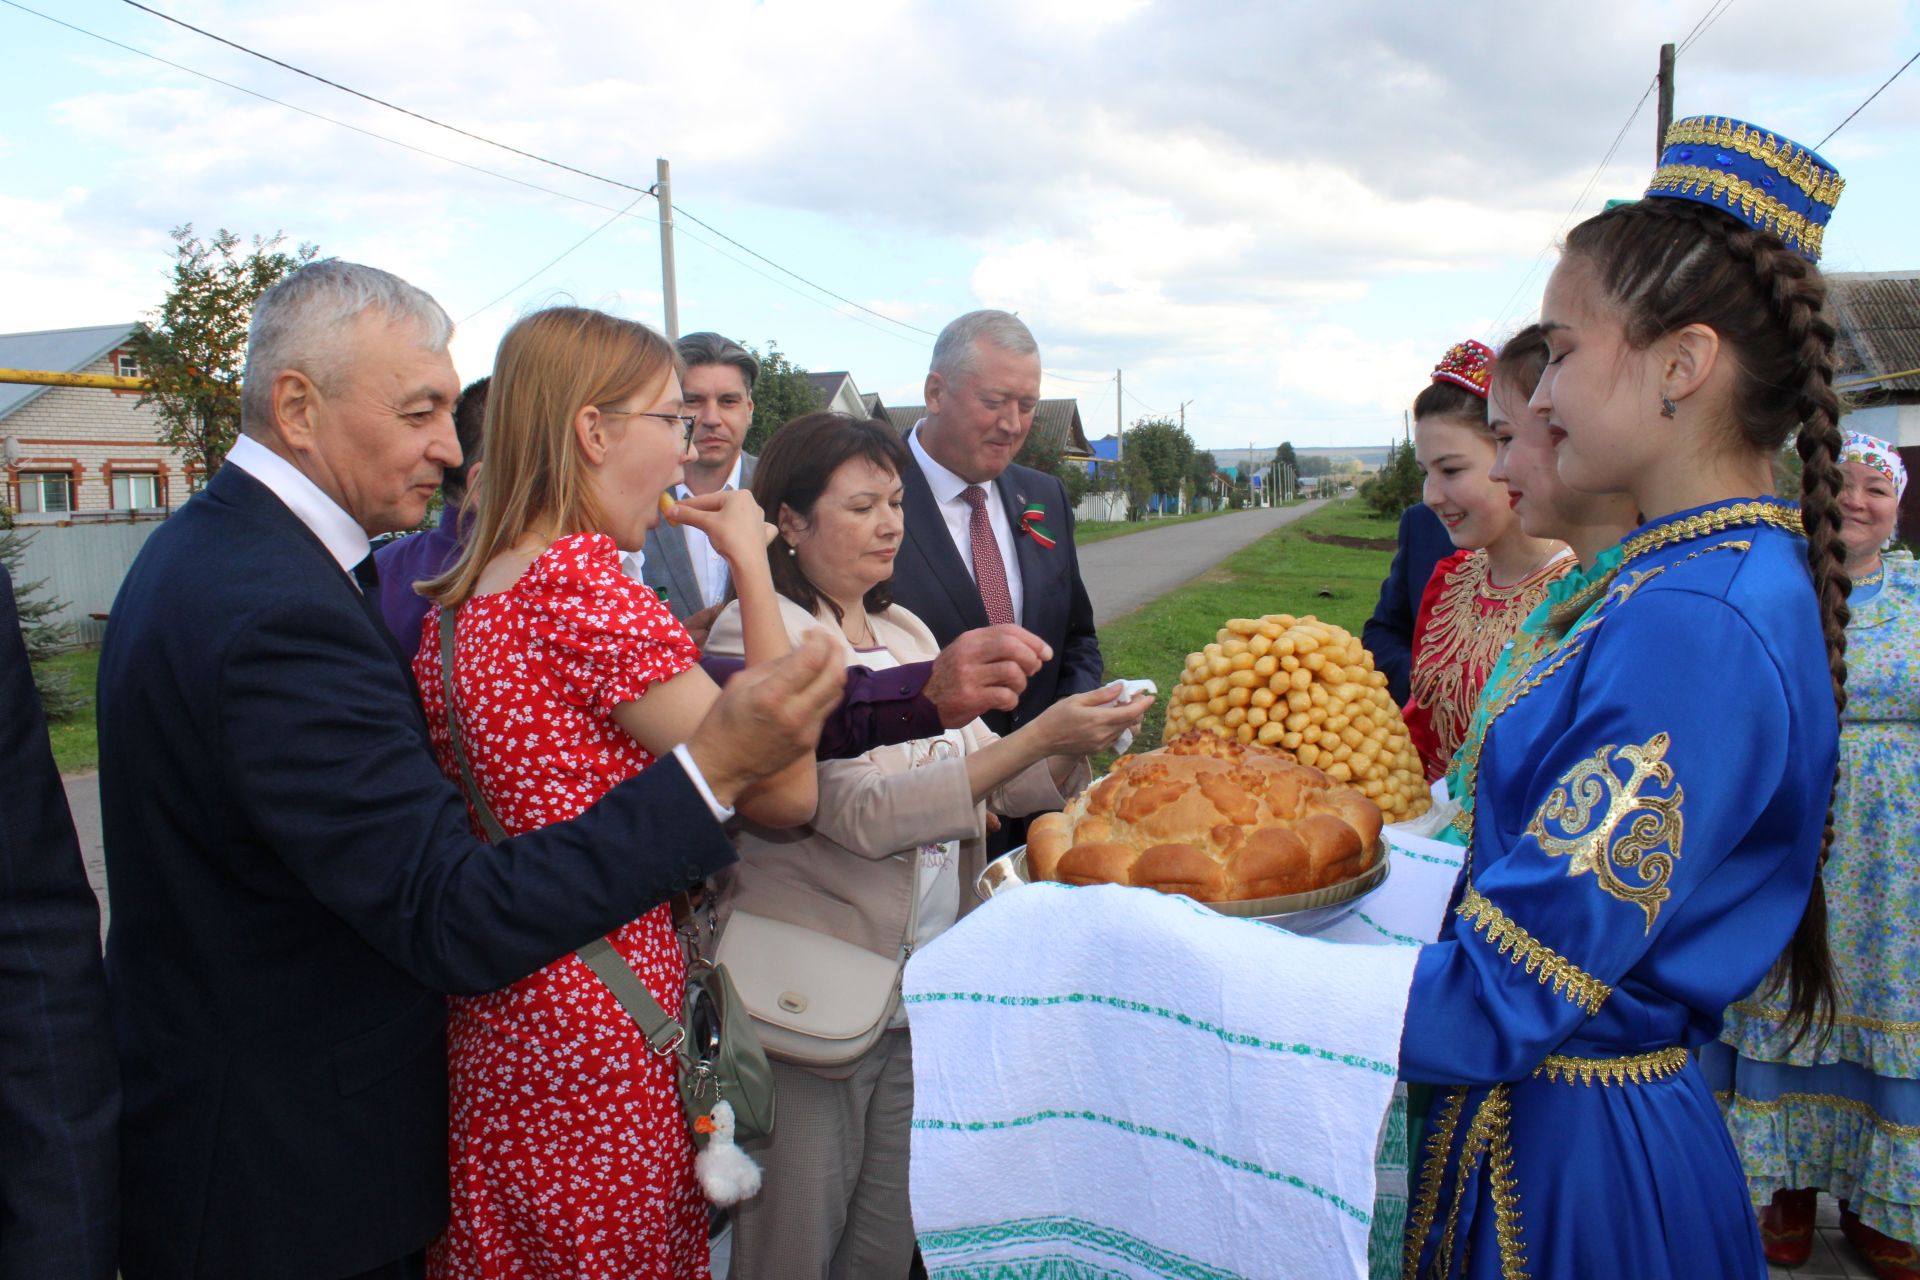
1652, 795
1843, 1113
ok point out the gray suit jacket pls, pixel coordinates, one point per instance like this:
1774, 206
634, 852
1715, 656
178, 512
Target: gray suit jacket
667, 567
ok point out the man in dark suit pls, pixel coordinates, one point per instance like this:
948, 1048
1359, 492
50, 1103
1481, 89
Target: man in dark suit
717, 392
59, 1091
1388, 635
295, 887
989, 541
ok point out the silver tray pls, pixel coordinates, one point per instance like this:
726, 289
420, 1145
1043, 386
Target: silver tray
1306, 913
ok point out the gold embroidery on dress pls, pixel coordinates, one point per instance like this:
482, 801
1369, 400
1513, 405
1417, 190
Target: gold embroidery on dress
1549, 966
1634, 1068
1717, 520
1426, 1205
1762, 1012
1459, 642
1487, 1139
1565, 826
1852, 1106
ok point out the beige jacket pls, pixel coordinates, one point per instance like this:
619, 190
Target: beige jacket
851, 872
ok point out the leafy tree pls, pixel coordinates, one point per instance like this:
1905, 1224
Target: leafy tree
1164, 450
43, 635
1314, 465
780, 394
194, 349
1286, 468
1200, 471
1398, 484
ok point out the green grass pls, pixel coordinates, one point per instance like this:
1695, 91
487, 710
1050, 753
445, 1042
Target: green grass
76, 748
1281, 573
1085, 531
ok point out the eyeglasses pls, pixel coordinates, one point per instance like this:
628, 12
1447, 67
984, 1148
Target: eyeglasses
685, 421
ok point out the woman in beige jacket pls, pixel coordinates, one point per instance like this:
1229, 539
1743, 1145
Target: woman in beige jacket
889, 860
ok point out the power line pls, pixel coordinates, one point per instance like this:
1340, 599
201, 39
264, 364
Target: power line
1714, 13
556, 262
1067, 377
539, 159
382, 102
321, 116
1863, 106
1578, 200
491, 173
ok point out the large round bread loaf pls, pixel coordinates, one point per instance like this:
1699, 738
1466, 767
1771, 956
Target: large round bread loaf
1213, 819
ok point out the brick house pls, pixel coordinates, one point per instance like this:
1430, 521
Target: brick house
81, 452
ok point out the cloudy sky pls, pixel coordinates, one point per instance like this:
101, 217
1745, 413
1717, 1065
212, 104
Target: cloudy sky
1281, 213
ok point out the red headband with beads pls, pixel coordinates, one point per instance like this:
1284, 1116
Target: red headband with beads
1467, 364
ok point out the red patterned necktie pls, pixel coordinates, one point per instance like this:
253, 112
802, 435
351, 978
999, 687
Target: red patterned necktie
989, 570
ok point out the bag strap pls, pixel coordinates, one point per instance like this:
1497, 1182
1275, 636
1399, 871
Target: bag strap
662, 1032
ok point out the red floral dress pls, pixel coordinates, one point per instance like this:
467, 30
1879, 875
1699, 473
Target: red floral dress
1463, 624
569, 1154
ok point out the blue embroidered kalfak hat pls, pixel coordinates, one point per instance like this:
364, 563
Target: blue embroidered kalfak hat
1771, 183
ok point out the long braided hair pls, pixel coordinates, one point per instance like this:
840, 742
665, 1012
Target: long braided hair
1668, 263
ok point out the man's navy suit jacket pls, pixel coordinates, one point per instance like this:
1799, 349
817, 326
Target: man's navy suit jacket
931, 580
58, 1097
295, 888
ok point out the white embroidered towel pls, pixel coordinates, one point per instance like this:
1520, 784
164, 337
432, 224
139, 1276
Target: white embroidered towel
1112, 1082
1411, 907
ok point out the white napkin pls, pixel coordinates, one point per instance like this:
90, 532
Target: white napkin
1113, 1082
1129, 690
1411, 906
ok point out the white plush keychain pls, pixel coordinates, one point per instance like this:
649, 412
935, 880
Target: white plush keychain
727, 1174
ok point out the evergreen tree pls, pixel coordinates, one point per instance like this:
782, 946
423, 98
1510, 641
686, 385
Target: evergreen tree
44, 636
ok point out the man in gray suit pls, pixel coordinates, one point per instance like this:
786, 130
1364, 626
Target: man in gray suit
718, 393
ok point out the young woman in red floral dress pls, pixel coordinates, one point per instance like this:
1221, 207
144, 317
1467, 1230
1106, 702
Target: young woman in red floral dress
569, 1151
1478, 596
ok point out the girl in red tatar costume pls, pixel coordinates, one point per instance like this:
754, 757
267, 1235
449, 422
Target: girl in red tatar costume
1477, 597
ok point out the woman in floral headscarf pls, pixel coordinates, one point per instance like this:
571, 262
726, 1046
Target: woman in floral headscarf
1844, 1115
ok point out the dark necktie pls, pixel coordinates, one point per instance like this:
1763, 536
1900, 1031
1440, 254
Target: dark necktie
989, 570
368, 578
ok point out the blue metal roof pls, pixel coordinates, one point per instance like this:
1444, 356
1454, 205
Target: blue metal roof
57, 350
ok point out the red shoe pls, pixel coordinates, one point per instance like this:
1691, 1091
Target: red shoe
1890, 1259
1786, 1227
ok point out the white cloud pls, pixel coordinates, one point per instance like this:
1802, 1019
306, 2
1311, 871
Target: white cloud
1209, 194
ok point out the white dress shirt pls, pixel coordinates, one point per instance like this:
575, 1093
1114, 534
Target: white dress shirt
348, 544
338, 532
948, 490
710, 568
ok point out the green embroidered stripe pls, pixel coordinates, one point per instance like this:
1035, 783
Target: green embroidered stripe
1425, 857
1361, 1216
1183, 1019
1401, 938
944, 1251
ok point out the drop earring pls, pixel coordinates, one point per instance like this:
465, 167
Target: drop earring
1668, 408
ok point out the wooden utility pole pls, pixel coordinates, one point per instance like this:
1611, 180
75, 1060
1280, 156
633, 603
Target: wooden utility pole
1119, 432
1666, 101
664, 190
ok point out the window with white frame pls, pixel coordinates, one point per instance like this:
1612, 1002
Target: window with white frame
133, 490
46, 491
128, 366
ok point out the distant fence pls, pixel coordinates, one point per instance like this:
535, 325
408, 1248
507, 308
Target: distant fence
83, 565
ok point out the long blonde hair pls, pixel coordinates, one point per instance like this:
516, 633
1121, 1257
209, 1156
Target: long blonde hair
550, 365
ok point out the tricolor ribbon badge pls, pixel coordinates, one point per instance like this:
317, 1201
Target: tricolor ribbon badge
1030, 521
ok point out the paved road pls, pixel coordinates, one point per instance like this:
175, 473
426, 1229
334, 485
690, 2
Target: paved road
1126, 572
1121, 574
